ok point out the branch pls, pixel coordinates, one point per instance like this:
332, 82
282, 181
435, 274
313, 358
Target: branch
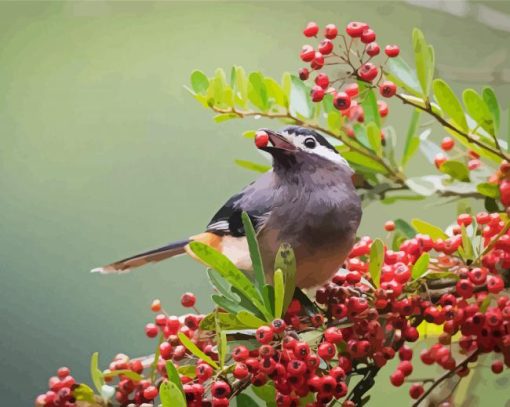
364, 385
428, 109
354, 145
446, 375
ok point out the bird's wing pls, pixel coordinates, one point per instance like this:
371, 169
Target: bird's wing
256, 200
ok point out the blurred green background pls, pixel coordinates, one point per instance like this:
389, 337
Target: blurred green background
104, 154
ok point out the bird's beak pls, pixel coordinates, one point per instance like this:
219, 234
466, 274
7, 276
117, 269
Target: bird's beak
277, 142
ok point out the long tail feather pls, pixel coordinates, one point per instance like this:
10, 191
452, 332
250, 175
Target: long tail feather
161, 253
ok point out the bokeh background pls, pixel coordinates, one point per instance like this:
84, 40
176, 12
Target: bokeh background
103, 154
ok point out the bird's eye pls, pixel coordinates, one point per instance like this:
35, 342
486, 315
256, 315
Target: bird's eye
310, 142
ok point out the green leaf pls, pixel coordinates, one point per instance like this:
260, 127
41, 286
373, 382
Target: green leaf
269, 292
440, 275
188, 370
467, 245
240, 87
276, 92
124, 372
403, 75
369, 104
219, 283
364, 161
488, 189
226, 321
390, 199
173, 375
223, 117
490, 99
279, 293
256, 257
421, 185
406, 228
376, 261
229, 272
478, 110
449, 103
186, 342
95, 372
250, 165
374, 138
266, 392
300, 101
334, 122
171, 396
250, 320
420, 266
455, 169
257, 91
243, 400
223, 348
227, 304
82, 392
424, 60
199, 82
412, 141
485, 303
286, 261
428, 229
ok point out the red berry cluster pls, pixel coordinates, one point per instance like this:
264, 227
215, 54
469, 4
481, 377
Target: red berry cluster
447, 145
353, 51
357, 324
59, 392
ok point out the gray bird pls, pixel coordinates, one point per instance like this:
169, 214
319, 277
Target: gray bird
308, 200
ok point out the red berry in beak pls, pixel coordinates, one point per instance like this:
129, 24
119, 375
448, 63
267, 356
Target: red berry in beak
261, 139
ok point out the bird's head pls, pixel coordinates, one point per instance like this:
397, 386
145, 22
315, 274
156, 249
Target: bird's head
294, 144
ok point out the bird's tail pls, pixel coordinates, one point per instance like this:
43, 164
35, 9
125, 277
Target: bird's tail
161, 253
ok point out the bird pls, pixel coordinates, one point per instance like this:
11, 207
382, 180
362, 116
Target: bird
306, 200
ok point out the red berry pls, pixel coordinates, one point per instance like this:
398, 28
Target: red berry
304, 73
368, 36
447, 143
416, 390
504, 191
392, 50
311, 29
63, 372
240, 371
188, 300
278, 326
333, 335
387, 89
474, 164
307, 53
240, 353
318, 61
317, 93
383, 108
151, 330
326, 351
406, 367
368, 71
322, 80
372, 49
261, 139
156, 305
497, 366
355, 28
166, 350
464, 219
464, 288
220, 389
495, 284
150, 392
264, 334
397, 378
352, 89
331, 31
439, 160
204, 372
389, 226
405, 353
325, 47
342, 101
